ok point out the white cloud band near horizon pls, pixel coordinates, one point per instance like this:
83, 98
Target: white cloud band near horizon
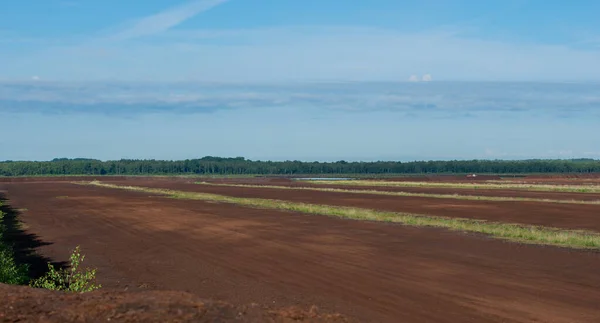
450, 100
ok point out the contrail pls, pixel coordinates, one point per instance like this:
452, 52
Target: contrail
165, 20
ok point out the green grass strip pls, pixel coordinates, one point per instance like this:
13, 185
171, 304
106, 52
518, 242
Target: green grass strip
410, 194
527, 187
513, 232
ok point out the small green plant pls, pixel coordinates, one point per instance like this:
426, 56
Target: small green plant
10, 271
72, 279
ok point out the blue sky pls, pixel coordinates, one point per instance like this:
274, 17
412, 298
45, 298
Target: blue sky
309, 80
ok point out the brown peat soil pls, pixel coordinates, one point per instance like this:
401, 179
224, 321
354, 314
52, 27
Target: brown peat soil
569, 216
367, 271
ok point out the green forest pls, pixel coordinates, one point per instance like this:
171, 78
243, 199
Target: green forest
241, 166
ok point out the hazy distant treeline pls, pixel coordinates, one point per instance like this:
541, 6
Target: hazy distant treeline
238, 166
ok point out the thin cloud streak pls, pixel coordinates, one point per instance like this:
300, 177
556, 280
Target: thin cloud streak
165, 20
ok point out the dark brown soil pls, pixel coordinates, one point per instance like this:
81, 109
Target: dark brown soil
428, 190
574, 179
372, 272
571, 216
24, 304
79, 178
442, 178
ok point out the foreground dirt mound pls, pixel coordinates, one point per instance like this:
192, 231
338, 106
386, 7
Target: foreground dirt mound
24, 304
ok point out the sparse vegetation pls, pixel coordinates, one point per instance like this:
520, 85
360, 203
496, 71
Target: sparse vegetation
72, 279
410, 194
508, 231
528, 187
10, 271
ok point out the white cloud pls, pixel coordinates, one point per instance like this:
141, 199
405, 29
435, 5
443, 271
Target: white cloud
427, 78
438, 99
304, 53
165, 20
562, 153
35, 78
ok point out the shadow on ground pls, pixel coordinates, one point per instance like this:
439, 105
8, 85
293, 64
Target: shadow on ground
24, 243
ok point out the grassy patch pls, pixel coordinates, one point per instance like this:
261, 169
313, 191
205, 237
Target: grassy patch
10, 271
508, 231
527, 187
410, 194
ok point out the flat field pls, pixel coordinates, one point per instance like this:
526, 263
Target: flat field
367, 270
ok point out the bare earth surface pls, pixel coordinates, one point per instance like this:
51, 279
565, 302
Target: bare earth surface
23, 304
428, 190
372, 272
571, 216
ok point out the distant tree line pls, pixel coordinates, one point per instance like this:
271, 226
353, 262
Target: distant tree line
240, 166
